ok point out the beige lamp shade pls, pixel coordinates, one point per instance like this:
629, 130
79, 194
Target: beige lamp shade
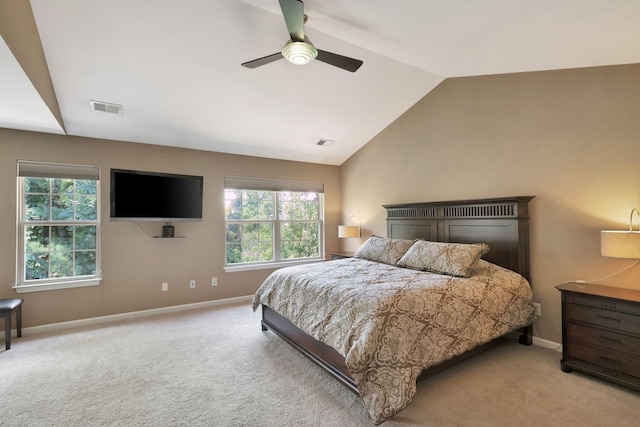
620, 244
348, 231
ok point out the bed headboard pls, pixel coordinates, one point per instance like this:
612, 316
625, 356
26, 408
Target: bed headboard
502, 223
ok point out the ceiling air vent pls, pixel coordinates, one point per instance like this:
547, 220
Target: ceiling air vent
106, 107
325, 142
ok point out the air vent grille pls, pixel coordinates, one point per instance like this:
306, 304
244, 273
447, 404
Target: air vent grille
325, 142
106, 107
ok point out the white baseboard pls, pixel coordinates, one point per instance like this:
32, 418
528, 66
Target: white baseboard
547, 344
175, 308
131, 315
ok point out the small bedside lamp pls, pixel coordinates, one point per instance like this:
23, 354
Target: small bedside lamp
621, 244
349, 231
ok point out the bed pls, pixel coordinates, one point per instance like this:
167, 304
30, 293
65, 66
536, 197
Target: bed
378, 322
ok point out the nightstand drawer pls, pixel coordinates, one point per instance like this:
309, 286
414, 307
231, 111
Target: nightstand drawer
626, 307
613, 360
583, 299
604, 318
603, 337
606, 303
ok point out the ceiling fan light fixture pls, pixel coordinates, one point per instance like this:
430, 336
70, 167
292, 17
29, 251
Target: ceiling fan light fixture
299, 53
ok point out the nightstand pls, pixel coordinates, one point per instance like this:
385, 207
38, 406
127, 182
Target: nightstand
342, 255
601, 332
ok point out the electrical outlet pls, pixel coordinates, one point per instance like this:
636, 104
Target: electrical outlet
192, 283
214, 281
165, 287
538, 308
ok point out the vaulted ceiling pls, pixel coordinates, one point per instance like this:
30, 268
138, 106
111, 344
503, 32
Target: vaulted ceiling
174, 66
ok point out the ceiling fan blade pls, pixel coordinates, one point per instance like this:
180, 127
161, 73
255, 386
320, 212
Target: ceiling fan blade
262, 61
293, 12
340, 61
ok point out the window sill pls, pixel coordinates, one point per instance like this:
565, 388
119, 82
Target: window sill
21, 289
270, 265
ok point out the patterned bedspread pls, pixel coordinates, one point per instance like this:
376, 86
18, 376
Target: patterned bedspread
390, 323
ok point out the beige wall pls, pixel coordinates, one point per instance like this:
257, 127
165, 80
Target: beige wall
135, 265
569, 137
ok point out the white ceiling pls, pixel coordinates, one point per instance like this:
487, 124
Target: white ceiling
175, 65
20, 104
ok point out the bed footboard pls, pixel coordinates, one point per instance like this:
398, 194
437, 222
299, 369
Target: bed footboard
331, 361
321, 354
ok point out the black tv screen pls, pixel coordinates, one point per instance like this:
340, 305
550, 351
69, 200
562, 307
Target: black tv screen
153, 196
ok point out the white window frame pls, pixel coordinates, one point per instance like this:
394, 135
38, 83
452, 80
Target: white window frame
276, 185
54, 170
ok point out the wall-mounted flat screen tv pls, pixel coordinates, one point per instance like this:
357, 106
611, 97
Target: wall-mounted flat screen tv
152, 196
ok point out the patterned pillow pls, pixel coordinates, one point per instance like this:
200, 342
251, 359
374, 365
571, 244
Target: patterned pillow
453, 259
382, 249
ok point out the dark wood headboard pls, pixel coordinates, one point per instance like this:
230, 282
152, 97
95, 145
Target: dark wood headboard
502, 223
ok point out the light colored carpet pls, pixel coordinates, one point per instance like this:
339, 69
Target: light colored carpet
215, 367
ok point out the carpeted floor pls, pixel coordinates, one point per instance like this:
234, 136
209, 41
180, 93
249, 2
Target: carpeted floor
215, 367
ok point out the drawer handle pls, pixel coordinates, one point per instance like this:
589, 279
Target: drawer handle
611, 340
609, 318
612, 361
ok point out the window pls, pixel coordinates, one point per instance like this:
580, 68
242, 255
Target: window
272, 221
58, 226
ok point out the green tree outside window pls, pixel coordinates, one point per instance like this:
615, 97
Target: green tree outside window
60, 217
267, 226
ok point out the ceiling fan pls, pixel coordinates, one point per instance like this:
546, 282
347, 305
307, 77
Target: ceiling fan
299, 50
